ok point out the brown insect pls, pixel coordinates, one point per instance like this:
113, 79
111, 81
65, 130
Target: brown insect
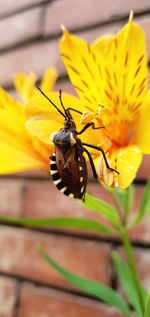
68, 166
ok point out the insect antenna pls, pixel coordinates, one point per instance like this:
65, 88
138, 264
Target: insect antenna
64, 115
60, 98
67, 113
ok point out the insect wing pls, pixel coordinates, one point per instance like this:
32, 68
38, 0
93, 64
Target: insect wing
69, 172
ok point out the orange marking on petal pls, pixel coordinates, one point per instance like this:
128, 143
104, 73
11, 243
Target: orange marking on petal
115, 78
117, 100
74, 70
115, 111
66, 56
100, 73
140, 91
116, 43
126, 59
109, 84
107, 94
86, 65
137, 71
94, 57
124, 101
139, 61
85, 84
107, 72
132, 89
98, 89
78, 88
137, 106
143, 81
89, 48
94, 98
115, 58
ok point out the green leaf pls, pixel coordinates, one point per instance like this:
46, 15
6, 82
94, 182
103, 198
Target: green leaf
120, 195
80, 223
107, 211
147, 306
129, 196
145, 204
94, 288
125, 197
127, 283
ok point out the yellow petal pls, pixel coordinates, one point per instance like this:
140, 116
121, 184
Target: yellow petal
13, 158
126, 161
102, 45
25, 85
141, 127
49, 80
19, 149
125, 72
83, 70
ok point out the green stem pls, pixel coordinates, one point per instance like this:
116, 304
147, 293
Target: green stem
131, 262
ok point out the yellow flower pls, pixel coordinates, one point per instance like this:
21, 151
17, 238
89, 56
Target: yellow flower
19, 149
110, 77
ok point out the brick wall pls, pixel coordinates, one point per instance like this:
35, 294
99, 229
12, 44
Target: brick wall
30, 32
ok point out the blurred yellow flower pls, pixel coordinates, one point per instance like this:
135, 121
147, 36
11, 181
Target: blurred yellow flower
19, 149
110, 77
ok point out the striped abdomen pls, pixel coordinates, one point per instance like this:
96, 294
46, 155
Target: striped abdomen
65, 179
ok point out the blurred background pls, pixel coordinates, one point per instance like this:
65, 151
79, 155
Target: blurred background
29, 41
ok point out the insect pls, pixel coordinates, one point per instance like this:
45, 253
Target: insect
68, 166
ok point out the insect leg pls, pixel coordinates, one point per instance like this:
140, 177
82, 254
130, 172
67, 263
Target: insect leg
92, 164
74, 110
103, 153
90, 124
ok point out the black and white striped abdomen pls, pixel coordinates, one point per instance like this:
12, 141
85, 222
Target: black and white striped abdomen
57, 178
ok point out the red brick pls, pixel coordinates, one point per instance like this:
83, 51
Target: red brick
7, 296
76, 14
8, 7
27, 59
11, 197
144, 170
88, 258
23, 26
44, 200
37, 301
